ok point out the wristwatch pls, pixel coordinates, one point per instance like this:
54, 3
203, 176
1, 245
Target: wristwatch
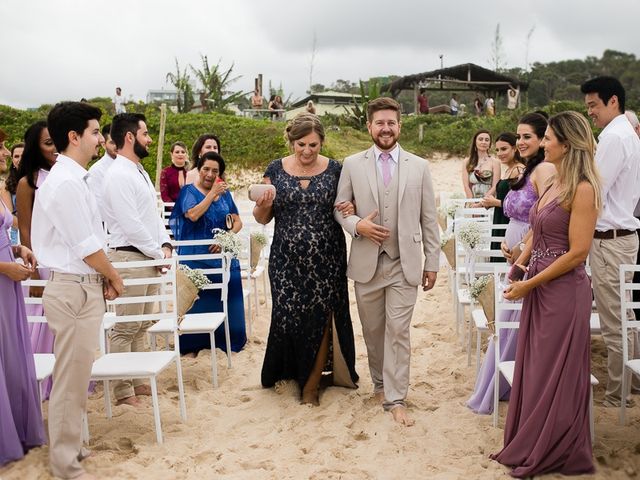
521, 246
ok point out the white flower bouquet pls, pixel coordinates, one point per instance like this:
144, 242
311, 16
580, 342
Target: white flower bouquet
470, 235
189, 282
228, 241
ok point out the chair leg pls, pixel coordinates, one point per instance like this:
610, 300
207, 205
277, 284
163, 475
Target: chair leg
478, 342
156, 409
183, 405
470, 339
265, 288
249, 319
85, 428
591, 421
227, 339
623, 400
254, 287
107, 398
40, 398
152, 341
214, 363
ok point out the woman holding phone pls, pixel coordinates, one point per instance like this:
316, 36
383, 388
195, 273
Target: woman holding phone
201, 207
311, 329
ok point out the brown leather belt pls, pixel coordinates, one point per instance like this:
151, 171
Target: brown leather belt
609, 234
127, 248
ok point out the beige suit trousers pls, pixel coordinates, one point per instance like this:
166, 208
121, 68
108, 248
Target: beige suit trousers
385, 306
130, 336
74, 313
606, 256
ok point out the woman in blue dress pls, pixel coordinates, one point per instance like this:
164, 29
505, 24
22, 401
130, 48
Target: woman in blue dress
202, 207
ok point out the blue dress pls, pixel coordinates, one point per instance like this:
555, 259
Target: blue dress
209, 301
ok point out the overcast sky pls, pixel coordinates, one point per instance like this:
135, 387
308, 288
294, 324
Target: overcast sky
54, 50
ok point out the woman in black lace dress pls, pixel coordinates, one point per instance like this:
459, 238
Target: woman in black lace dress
311, 329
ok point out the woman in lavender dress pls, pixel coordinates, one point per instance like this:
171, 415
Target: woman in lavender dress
547, 426
21, 426
516, 206
38, 157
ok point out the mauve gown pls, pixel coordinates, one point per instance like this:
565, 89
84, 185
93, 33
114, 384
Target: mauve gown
21, 426
547, 426
516, 205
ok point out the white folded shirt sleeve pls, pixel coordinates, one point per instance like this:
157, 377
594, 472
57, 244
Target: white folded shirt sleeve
78, 233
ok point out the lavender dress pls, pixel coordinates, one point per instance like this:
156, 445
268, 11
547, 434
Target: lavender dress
516, 206
41, 336
21, 426
547, 426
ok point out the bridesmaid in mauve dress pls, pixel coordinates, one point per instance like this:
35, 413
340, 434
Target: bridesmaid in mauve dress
547, 426
21, 426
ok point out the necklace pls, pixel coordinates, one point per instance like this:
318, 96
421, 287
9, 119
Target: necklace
306, 170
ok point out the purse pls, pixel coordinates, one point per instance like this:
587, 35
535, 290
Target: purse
228, 220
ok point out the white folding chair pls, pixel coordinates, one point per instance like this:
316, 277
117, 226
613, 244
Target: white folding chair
44, 362
629, 326
207, 322
147, 365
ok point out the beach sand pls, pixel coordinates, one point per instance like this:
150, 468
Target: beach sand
242, 431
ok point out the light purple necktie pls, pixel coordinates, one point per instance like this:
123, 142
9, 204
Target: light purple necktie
385, 161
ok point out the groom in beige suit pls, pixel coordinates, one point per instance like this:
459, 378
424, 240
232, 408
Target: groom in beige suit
393, 225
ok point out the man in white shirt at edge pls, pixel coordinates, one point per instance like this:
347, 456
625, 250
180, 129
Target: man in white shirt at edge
136, 233
69, 239
615, 241
635, 123
95, 180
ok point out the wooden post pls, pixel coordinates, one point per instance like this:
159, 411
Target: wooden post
163, 124
421, 132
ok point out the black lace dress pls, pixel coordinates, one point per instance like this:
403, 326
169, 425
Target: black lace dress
307, 270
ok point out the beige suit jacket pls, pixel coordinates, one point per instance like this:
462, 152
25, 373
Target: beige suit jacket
417, 222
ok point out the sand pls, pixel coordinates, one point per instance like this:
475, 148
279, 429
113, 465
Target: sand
242, 431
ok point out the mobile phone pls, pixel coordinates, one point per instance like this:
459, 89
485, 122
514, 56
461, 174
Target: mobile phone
256, 190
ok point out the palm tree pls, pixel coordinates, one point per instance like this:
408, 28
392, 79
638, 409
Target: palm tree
182, 82
215, 94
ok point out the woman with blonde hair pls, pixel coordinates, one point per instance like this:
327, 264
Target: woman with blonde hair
547, 426
311, 329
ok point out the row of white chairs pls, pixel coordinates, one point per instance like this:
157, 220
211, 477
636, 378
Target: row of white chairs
149, 364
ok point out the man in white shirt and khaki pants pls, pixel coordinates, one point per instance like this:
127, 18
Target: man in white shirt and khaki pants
136, 233
68, 237
615, 241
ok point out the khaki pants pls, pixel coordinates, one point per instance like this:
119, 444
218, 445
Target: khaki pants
606, 256
385, 306
130, 336
75, 308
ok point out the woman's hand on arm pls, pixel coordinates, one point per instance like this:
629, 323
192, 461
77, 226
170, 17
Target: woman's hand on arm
495, 178
194, 213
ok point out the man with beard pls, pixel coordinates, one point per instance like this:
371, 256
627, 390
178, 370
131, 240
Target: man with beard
136, 233
395, 213
95, 180
68, 238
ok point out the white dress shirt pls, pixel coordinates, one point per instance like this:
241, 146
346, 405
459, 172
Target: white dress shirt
66, 226
395, 153
95, 180
131, 209
618, 162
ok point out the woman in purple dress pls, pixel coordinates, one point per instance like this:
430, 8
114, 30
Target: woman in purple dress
21, 426
547, 426
517, 204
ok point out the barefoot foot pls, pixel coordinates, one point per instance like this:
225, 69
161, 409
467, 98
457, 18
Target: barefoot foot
132, 400
311, 396
143, 390
379, 397
400, 415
